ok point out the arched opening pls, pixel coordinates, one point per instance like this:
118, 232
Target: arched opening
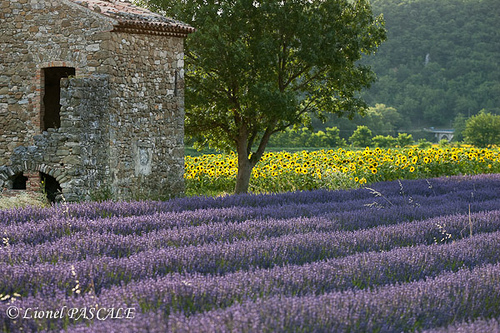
51, 107
19, 182
50, 186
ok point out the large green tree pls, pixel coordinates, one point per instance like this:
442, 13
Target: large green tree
256, 67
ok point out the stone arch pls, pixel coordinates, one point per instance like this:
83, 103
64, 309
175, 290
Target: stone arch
8, 173
51, 187
447, 136
35, 173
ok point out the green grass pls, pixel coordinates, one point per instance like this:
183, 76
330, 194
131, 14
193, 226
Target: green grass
23, 199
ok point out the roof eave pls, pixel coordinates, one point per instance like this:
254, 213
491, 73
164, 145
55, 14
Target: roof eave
152, 28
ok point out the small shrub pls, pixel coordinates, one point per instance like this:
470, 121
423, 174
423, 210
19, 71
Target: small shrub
384, 141
362, 137
405, 139
444, 143
423, 144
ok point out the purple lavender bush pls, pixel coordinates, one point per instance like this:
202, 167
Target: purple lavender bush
401, 256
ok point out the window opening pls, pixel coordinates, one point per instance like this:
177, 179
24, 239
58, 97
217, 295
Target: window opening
19, 182
52, 95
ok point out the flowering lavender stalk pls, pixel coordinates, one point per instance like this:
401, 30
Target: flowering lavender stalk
476, 326
479, 184
351, 215
221, 258
353, 260
412, 306
80, 245
197, 293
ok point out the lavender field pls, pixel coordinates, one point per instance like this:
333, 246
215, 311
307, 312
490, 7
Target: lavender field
403, 256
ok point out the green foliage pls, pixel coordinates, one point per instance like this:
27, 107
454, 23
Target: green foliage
404, 140
305, 138
423, 144
333, 137
362, 137
483, 130
381, 119
440, 60
24, 199
444, 143
101, 194
254, 68
459, 127
384, 141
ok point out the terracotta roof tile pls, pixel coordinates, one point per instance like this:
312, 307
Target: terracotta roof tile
135, 19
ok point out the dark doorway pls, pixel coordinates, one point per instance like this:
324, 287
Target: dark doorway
19, 182
50, 186
52, 95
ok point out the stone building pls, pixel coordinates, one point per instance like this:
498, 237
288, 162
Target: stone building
91, 99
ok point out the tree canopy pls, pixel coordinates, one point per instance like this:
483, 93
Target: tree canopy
483, 129
256, 67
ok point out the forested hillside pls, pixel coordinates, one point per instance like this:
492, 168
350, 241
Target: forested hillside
441, 58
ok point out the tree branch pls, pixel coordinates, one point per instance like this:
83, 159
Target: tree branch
251, 141
296, 75
312, 78
296, 118
262, 145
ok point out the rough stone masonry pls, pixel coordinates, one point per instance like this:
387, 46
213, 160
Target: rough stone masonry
91, 99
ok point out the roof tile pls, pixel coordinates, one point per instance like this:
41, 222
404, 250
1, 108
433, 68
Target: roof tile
134, 19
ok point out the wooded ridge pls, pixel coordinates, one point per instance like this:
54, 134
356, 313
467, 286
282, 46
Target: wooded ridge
440, 60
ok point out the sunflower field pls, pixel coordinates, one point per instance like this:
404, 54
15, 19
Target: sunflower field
213, 174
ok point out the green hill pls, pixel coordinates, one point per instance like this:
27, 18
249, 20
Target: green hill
441, 59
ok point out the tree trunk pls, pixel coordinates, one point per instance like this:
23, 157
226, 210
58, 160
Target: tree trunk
247, 162
244, 172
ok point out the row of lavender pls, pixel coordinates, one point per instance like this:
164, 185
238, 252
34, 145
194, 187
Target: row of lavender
195, 293
403, 189
400, 256
412, 306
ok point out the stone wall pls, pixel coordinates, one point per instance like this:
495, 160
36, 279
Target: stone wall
84, 121
76, 154
122, 114
35, 34
147, 130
